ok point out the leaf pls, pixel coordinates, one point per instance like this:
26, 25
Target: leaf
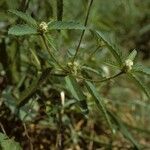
23, 113
24, 16
25, 96
77, 93
8, 144
141, 69
145, 29
111, 47
140, 84
89, 69
132, 55
65, 25
123, 129
20, 30
98, 100
110, 63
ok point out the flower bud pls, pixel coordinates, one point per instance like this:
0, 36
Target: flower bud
128, 65
43, 27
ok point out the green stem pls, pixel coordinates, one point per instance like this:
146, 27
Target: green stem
97, 48
49, 51
82, 34
103, 80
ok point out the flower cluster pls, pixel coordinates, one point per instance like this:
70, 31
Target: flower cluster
128, 65
43, 27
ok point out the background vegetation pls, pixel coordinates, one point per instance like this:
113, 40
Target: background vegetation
74, 74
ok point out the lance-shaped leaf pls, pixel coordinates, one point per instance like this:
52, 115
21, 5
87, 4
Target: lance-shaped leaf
98, 100
24, 16
58, 25
140, 84
8, 144
141, 69
77, 93
123, 129
145, 29
132, 55
115, 52
30, 91
20, 30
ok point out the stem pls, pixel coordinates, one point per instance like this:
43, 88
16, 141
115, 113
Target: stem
27, 135
82, 34
49, 51
91, 55
103, 80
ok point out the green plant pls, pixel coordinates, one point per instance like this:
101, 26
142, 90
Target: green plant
73, 72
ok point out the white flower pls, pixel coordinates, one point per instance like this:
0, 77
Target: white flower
43, 26
128, 65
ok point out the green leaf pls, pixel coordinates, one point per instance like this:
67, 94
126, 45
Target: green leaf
132, 55
11, 102
65, 25
145, 29
140, 84
8, 144
20, 30
77, 93
112, 48
98, 100
141, 69
89, 69
110, 63
51, 42
24, 16
123, 129
28, 93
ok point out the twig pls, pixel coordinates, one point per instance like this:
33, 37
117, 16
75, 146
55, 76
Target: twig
27, 135
82, 34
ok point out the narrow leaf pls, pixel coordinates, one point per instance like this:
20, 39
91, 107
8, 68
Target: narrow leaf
145, 29
98, 100
65, 25
20, 30
141, 69
111, 47
24, 16
140, 84
123, 129
28, 93
77, 93
132, 55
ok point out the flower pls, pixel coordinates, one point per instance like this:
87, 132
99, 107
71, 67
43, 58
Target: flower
128, 65
43, 27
